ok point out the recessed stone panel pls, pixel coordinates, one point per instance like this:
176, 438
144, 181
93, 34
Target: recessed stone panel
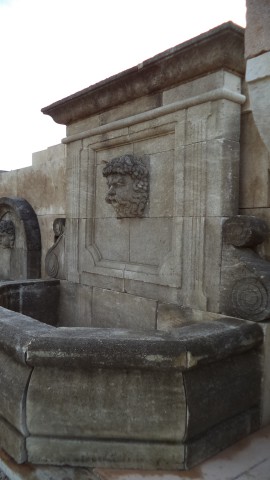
150, 240
112, 238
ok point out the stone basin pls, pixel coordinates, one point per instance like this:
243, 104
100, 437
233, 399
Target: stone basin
118, 397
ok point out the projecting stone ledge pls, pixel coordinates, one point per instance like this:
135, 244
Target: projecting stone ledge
126, 399
221, 47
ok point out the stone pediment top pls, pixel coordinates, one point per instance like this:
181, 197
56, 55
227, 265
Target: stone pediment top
221, 47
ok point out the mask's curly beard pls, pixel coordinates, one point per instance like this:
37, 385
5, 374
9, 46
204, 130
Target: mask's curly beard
128, 208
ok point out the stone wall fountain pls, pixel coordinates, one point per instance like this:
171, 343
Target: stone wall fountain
140, 330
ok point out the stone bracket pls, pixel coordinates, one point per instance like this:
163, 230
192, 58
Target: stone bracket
245, 283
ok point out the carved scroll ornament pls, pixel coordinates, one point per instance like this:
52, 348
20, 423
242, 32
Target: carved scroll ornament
54, 261
245, 274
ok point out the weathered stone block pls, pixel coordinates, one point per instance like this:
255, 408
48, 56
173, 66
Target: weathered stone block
12, 441
254, 179
221, 436
204, 386
14, 378
257, 37
110, 454
121, 310
202, 85
124, 404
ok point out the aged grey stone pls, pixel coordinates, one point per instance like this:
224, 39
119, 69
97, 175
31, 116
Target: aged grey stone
245, 275
12, 441
244, 231
114, 404
242, 376
13, 386
36, 299
218, 438
106, 454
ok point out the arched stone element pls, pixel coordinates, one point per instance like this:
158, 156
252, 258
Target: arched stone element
23, 259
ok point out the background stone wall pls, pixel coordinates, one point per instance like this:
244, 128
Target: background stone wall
43, 185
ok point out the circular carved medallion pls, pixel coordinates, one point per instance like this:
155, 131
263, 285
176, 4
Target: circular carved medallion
249, 298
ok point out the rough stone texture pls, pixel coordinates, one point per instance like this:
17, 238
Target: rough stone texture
39, 299
13, 383
110, 454
28, 471
245, 275
244, 231
13, 442
244, 379
217, 438
124, 404
257, 37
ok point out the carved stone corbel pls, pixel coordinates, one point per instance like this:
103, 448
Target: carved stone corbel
245, 281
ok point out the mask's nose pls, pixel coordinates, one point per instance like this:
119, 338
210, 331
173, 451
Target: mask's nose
111, 194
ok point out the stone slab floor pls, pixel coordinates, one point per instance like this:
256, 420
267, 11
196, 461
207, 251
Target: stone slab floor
248, 459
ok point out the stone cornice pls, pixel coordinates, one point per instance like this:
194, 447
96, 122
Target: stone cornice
217, 94
221, 47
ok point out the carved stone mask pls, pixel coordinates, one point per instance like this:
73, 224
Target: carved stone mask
127, 180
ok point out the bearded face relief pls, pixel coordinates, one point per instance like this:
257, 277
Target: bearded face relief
128, 183
7, 234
